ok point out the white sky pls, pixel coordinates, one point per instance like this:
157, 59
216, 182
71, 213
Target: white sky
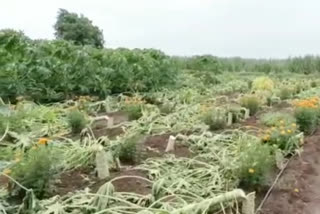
247, 28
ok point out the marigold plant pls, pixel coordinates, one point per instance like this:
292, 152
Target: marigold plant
307, 113
283, 135
133, 107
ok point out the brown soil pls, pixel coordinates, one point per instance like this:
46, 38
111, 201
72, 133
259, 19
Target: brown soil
119, 117
74, 180
157, 144
282, 105
131, 184
109, 132
100, 129
4, 181
82, 178
251, 125
297, 191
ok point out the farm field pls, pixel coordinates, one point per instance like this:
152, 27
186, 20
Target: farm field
135, 131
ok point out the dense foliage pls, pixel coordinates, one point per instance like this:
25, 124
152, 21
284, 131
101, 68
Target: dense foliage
55, 70
79, 29
307, 64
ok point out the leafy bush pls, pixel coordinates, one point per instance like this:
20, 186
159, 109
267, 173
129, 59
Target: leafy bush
36, 169
79, 29
215, 119
314, 84
307, 119
203, 63
250, 102
263, 83
273, 118
128, 150
58, 69
77, 121
254, 161
285, 93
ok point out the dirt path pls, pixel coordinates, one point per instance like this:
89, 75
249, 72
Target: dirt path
298, 190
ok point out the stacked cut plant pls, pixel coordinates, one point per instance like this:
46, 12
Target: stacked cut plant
307, 114
283, 135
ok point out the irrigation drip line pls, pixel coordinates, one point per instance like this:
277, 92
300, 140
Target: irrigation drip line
272, 186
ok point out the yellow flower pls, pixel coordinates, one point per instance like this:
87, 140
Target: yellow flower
267, 137
251, 171
281, 122
273, 128
289, 131
34, 147
17, 160
7, 171
294, 125
43, 141
283, 132
296, 190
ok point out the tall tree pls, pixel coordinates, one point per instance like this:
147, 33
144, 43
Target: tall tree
79, 29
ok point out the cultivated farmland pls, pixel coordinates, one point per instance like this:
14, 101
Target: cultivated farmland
118, 131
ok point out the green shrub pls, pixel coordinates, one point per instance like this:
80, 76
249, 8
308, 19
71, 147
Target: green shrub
216, 119
203, 63
134, 111
36, 170
68, 27
58, 69
250, 102
273, 118
262, 83
254, 161
307, 119
128, 151
77, 121
285, 93
314, 84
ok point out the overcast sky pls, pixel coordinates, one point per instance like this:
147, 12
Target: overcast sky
247, 28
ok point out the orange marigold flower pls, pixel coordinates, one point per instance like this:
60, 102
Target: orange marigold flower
43, 141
